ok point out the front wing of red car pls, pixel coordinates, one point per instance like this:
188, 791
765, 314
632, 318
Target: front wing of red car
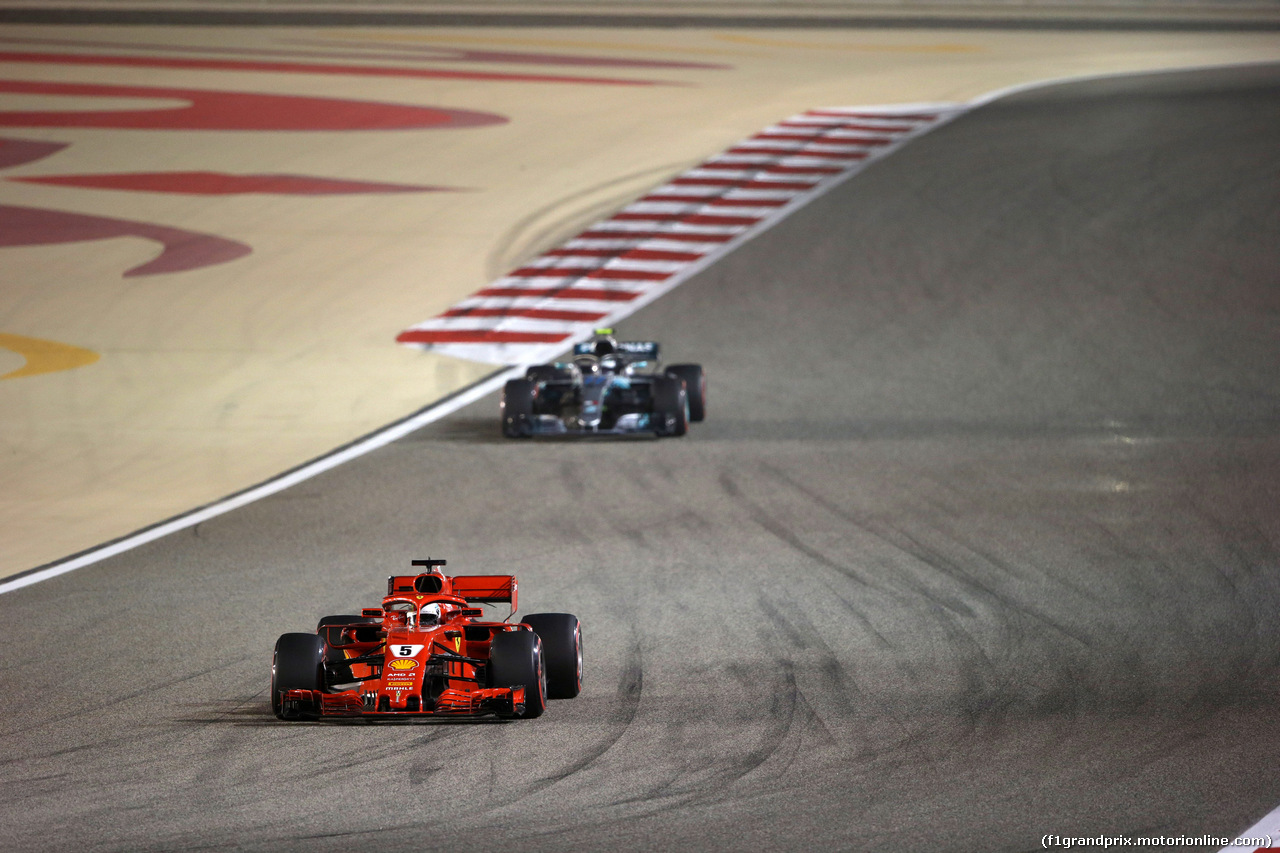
497, 701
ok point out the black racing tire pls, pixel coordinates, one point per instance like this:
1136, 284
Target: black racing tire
543, 373
561, 636
695, 386
515, 660
670, 414
298, 664
517, 408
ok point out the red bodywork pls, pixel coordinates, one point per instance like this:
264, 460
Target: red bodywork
402, 666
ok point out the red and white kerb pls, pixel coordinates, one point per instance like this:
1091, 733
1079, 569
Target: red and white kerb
615, 267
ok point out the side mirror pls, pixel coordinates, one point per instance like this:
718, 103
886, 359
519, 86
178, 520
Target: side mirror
372, 612
355, 635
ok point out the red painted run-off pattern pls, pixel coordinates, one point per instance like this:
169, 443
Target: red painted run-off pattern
607, 272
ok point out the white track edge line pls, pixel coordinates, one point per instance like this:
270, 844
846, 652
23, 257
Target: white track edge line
1267, 829
946, 111
382, 437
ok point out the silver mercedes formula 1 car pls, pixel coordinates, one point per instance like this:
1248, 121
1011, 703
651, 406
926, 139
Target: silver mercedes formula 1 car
607, 387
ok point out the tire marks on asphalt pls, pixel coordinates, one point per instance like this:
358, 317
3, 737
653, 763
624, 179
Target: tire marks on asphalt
630, 688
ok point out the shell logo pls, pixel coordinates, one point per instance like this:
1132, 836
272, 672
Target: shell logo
403, 665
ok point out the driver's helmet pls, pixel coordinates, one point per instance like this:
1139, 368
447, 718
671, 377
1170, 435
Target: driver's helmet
604, 345
430, 616
588, 365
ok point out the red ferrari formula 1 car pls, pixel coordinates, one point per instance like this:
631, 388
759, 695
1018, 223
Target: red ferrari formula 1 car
428, 651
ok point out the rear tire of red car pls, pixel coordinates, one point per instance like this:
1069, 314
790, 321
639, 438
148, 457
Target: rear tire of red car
517, 408
670, 407
695, 387
561, 636
515, 660
297, 665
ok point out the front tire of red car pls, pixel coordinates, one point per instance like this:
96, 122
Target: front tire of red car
515, 660
561, 636
297, 665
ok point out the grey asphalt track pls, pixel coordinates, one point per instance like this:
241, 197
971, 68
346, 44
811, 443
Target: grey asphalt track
978, 543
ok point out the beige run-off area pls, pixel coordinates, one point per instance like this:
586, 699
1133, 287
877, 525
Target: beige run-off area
211, 380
